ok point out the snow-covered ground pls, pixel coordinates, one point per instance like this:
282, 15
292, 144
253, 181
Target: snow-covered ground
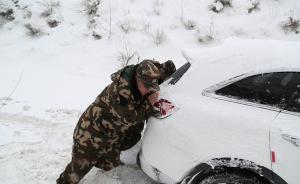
49, 76
35, 150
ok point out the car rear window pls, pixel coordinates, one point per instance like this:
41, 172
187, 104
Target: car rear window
272, 89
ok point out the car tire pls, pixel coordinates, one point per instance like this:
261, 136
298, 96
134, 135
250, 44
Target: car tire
230, 177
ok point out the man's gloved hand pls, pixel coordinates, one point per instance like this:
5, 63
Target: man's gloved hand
169, 67
164, 107
132, 136
130, 140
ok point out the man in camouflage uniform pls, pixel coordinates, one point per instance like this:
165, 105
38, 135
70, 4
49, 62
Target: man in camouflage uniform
115, 120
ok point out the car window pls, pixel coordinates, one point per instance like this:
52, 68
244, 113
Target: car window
294, 88
268, 88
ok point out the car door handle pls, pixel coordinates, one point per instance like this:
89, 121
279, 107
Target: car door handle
293, 139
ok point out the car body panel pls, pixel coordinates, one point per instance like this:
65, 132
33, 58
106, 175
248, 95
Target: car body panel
153, 172
157, 151
208, 126
209, 137
287, 151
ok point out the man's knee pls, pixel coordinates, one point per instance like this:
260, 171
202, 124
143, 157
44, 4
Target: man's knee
80, 165
70, 178
71, 175
109, 161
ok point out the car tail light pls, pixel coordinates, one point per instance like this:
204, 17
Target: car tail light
273, 156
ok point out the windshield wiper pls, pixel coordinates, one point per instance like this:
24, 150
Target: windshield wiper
175, 77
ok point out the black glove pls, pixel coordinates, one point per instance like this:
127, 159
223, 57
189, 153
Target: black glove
169, 67
129, 141
132, 136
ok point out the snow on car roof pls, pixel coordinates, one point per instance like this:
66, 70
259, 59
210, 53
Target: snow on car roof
249, 54
238, 56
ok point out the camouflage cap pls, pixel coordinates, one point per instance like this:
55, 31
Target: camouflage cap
149, 74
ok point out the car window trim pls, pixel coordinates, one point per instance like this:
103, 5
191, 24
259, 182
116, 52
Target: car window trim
290, 112
211, 91
243, 102
285, 111
231, 80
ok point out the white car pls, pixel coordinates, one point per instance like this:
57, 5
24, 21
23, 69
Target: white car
238, 119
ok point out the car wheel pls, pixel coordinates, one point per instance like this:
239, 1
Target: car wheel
230, 178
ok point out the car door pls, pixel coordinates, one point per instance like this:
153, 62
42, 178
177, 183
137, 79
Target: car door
285, 136
251, 104
234, 121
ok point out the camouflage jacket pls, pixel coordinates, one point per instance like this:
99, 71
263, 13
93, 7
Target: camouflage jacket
123, 100
119, 112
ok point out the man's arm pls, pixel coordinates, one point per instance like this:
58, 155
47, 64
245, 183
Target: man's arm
153, 98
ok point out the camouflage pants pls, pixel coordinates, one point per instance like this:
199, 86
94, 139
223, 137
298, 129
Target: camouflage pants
82, 162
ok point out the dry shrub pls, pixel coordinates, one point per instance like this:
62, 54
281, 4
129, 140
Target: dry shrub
219, 5
6, 13
253, 7
208, 36
226, 3
127, 55
49, 7
126, 26
291, 25
52, 22
189, 24
97, 36
157, 4
16, 3
33, 30
27, 14
91, 7
159, 37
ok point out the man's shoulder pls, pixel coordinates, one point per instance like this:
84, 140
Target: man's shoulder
127, 72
